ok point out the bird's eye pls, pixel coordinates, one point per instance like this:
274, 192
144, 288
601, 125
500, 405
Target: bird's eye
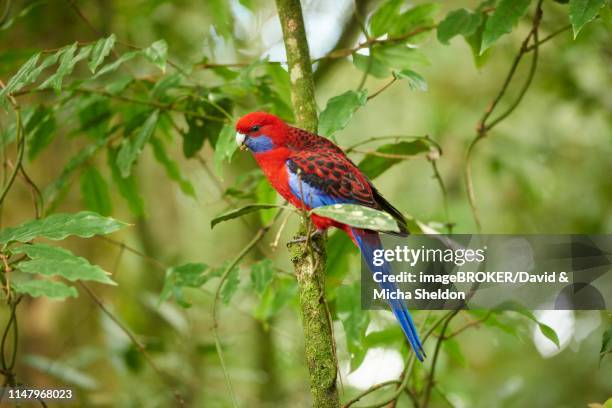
255, 128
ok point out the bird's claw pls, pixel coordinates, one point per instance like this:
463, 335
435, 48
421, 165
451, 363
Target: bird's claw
304, 238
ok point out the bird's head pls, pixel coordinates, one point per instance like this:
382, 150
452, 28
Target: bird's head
260, 132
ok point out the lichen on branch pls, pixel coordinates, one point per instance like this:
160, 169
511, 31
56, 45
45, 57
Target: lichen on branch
309, 265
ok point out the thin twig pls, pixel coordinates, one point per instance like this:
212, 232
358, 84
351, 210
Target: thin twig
468, 325
152, 103
425, 138
430, 379
256, 238
345, 52
548, 38
141, 348
484, 126
383, 88
407, 369
449, 225
390, 155
20, 140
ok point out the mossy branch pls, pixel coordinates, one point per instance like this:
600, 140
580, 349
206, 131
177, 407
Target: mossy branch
309, 265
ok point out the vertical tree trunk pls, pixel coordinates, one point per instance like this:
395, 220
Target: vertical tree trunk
309, 266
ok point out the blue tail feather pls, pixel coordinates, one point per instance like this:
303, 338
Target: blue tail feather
369, 241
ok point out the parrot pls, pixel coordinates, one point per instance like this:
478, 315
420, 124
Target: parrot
310, 171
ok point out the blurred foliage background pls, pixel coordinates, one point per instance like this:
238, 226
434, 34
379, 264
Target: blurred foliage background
545, 169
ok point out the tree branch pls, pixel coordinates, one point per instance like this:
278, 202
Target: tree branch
309, 265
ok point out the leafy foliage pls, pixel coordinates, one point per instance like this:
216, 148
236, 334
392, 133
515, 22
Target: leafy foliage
606, 344
53, 261
240, 212
582, 12
507, 13
95, 192
190, 275
84, 224
458, 22
49, 289
339, 111
354, 321
373, 166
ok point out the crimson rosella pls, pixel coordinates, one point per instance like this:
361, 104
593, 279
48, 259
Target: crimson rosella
310, 171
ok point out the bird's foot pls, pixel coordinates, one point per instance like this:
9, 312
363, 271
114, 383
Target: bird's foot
312, 240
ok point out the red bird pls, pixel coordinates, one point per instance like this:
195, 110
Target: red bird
310, 171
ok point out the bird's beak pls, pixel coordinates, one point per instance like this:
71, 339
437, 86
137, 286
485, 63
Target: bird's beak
240, 138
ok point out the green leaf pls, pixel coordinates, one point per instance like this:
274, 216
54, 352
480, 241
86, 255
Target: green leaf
339, 111
165, 84
40, 129
157, 53
128, 188
131, 148
118, 83
45, 288
46, 63
262, 273
100, 50
358, 216
458, 22
84, 224
382, 20
415, 81
281, 98
582, 12
265, 194
225, 147
546, 330
239, 212
474, 40
67, 61
52, 193
172, 169
418, 16
372, 65
493, 321
95, 192
245, 185
339, 251
549, 333
53, 261
220, 10
386, 337
194, 138
275, 297
22, 78
192, 275
354, 321
400, 56
117, 63
506, 15
453, 349
606, 344
8, 22
94, 115
374, 166
230, 286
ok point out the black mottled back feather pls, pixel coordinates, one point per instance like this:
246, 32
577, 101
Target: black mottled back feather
326, 167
